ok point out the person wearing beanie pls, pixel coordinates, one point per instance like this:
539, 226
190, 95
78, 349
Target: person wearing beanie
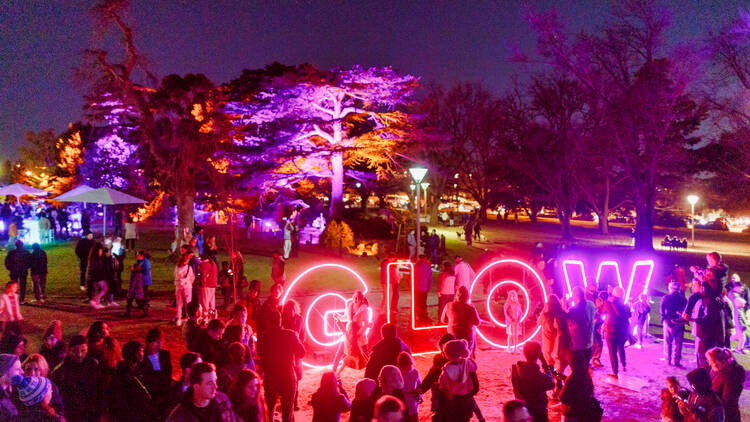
10, 366
671, 309
35, 393
615, 328
53, 347
78, 378
458, 383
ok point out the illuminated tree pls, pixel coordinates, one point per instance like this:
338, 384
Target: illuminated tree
111, 159
644, 90
325, 121
179, 125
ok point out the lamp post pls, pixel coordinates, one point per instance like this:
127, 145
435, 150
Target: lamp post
418, 174
424, 186
693, 199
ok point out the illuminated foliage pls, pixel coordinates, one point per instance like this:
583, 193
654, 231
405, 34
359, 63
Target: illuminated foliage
321, 122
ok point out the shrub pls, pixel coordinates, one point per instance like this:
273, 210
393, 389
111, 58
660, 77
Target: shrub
337, 234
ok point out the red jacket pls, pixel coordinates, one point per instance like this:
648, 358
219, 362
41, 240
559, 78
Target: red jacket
209, 273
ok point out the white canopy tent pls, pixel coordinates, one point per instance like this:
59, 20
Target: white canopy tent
104, 196
75, 191
19, 189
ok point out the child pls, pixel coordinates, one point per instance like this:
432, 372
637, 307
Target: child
10, 311
364, 401
411, 382
529, 383
670, 411
641, 310
458, 378
513, 314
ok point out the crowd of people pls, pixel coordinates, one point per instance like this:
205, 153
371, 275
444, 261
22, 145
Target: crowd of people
247, 366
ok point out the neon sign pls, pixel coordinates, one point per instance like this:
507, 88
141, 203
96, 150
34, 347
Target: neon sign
326, 308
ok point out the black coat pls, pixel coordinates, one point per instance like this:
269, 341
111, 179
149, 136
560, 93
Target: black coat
81, 388
279, 350
385, 352
158, 383
83, 247
38, 262
128, 398
17, 262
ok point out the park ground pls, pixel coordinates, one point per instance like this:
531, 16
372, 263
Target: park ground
635, 397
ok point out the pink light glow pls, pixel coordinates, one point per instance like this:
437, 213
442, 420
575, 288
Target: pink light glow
538, 279
608, 263
577, 263
339, 335
642, 263
525, 293
413, 316
388, 287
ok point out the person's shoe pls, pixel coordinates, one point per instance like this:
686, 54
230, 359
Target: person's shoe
624, 368
95, 305
597, 363
42, 301
663, 359
83, 288
179, 322
612, 375
114, 304
679, 365
638, 346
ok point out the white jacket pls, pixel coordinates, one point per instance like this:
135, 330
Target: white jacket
184, 277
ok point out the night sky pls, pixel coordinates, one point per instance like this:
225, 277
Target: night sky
41, 41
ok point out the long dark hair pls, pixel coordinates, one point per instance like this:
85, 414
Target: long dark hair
236, 392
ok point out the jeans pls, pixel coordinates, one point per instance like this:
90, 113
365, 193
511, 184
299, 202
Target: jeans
83, 264
443, 300
100, 288
420, 305
616, 346
287, 248
183, 296
598, 347
208, 298
40, 286
673, 335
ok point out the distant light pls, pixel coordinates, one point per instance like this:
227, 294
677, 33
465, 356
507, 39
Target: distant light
28, 172
358, 185
418, 173
693, 199
424, 185
412, 186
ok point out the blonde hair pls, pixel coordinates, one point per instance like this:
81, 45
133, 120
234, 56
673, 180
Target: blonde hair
40, 361
390, 378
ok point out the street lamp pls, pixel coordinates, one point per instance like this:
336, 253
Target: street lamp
424, 186
418, 174
693, 199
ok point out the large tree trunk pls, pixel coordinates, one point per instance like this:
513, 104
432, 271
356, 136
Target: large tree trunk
336, 210
185, 199
603, 223
433, 208
563, 214
364, 194
604, 215
644, 222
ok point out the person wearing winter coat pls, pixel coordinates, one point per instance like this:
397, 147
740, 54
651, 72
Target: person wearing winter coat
96, 276
615, 329
385, 352
581, 318
670, 397
330, 400
35, 395
156, 368
702, 405
727, 379
183, 283
137, 290
671, 308
127, 396
461, 317
530, 384
555, 335
202, 401
458, 383
18, 262
38, 266
83, 250
79, 380
209, 273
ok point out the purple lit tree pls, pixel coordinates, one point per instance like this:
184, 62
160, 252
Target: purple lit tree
179, 122
321, 122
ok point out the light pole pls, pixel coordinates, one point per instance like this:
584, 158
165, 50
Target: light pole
424, 186
693, 199
418, 174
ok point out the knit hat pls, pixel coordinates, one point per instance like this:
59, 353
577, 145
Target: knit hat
618, 292
55, 328
456, 349
6, 362
31, 390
